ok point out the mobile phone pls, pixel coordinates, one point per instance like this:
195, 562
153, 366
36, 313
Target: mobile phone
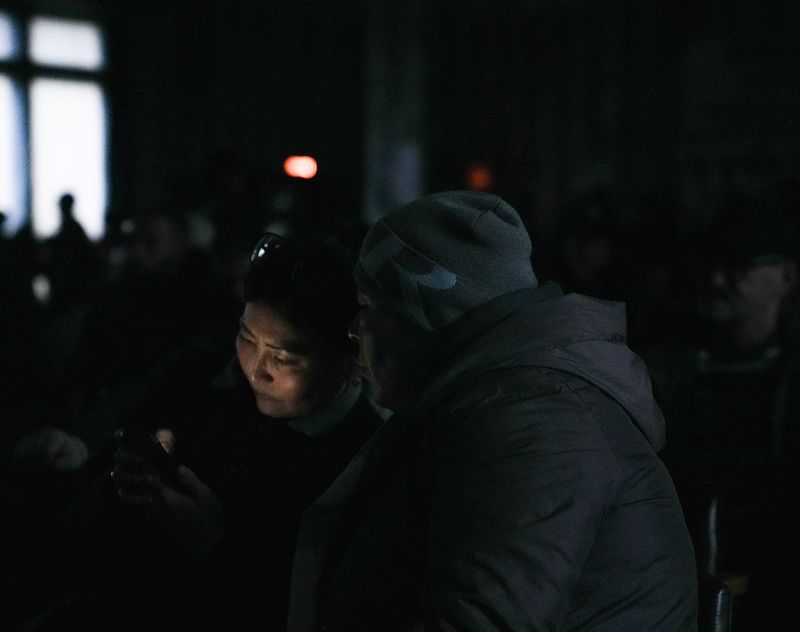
149, 448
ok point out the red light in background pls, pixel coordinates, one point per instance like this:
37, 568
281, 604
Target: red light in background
300, 167
479, 177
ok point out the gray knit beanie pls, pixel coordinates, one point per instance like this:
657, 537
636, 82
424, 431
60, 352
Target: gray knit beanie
434, 260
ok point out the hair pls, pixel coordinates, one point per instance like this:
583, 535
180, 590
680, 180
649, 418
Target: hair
312, 286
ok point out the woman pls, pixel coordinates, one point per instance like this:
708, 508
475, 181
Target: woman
263, 443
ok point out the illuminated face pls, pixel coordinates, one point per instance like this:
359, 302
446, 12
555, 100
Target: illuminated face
289, 374
393, 354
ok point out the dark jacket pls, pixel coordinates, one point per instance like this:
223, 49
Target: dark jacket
266, 474
733, 435
521, 492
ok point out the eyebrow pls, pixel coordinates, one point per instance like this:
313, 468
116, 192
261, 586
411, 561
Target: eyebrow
290, 346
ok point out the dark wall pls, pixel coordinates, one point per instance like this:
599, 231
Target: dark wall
671, 100
247, 82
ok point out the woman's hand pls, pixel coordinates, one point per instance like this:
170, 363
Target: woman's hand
187, 509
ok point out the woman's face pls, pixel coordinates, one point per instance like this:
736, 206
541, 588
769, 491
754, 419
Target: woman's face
290, 375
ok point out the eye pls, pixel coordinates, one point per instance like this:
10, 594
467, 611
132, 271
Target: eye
364, 309
285, 361
242, 338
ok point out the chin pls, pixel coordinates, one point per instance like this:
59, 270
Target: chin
271, 408
280, 410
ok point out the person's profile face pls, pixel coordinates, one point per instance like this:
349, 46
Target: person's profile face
730, 294
290, 375
391, 353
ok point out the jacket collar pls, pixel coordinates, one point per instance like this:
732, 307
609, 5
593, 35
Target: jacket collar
498, 309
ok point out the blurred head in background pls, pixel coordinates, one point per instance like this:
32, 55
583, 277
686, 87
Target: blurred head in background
748, 266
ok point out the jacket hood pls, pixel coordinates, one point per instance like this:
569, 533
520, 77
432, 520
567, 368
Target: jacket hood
541, 327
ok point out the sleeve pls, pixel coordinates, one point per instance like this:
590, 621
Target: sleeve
520, 486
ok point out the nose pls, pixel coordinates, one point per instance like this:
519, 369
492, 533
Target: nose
259, 369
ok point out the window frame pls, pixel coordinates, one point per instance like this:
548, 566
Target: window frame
22, 71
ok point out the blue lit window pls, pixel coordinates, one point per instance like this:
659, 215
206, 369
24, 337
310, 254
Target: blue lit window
53, 122
8, 37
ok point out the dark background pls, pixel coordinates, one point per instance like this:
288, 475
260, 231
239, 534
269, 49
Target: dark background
674, 100
654, 109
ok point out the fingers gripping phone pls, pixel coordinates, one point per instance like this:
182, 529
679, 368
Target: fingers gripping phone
149, 449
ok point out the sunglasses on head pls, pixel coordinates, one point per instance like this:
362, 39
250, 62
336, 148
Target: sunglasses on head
274, 253
270, 244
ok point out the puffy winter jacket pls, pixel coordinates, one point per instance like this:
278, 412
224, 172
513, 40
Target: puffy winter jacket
522, 491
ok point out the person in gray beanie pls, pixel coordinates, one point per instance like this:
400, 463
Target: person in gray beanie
411, 259
517, 485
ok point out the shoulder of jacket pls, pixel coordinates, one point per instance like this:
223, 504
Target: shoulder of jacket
502, 386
